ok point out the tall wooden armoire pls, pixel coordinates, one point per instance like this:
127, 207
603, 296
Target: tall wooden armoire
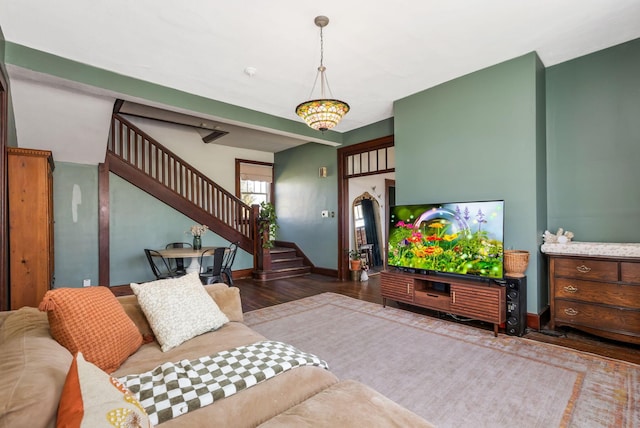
30, 185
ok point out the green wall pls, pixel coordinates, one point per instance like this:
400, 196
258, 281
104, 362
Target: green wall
137, 221
12, 138
75, 237
376, 130
301, 195
478, 138
593, 134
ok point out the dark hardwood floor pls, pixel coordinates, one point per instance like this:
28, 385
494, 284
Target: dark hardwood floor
256, 295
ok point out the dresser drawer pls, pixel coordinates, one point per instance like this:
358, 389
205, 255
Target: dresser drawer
598, 317
630, 272
586, 269
598, 292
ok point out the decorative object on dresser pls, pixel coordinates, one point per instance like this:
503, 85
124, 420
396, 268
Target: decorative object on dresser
30, 190
474, 299
595, 287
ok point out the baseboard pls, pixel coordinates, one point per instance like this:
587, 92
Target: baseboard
536, 321
325, 271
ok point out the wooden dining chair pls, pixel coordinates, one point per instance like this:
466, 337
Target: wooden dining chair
177, 264
211, 272
227, 263
159, 265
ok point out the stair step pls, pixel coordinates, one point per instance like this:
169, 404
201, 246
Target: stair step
282, 273
278, 264
278, 253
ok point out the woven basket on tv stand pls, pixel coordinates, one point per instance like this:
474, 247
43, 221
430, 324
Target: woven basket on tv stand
516, 262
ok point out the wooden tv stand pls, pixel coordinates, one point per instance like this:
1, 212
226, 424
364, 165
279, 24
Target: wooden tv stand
468, 298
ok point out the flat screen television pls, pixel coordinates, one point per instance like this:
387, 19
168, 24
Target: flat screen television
457, 238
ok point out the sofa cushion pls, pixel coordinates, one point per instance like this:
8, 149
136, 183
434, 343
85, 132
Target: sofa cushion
227, 298
33, 368
91, 398
178, 309
347, 403
92, 321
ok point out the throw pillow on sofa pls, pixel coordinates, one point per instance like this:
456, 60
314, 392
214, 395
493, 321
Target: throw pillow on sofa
91, 398
178, 309
92, 321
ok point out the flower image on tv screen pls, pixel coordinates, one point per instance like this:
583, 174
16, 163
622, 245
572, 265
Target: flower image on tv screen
463, 238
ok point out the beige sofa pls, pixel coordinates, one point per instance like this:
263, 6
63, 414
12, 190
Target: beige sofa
33, 368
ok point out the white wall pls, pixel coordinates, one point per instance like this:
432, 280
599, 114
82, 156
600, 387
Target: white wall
213, 160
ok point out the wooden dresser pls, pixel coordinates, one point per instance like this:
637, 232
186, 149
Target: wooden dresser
30, 185
596, 294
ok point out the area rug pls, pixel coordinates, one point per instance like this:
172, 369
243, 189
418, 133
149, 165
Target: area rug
454, 375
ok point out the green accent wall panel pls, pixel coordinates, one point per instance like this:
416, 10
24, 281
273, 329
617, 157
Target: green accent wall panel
476, 138
593, 134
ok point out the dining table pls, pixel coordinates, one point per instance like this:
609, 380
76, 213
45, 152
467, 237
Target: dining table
186, 253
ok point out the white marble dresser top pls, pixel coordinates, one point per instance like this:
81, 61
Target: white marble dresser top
593, 249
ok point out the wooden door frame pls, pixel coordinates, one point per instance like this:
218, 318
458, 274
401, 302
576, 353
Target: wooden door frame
343, 196
4, 241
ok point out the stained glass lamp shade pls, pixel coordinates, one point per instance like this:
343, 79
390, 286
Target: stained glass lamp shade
322, 113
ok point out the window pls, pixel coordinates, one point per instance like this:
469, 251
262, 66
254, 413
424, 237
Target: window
375, 161
254, 192
254, 181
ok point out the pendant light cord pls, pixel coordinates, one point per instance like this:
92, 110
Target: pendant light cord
321, 48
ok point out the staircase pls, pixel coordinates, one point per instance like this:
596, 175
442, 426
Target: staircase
139, 159
284, 260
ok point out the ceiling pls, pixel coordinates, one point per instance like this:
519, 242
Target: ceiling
374, 54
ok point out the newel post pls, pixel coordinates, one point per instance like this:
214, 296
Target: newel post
261, 255
265, 251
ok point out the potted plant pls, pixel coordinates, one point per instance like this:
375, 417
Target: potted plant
267, 221
355, 261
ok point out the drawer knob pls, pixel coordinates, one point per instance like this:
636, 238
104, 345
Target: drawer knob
570, 311
583, 269
570, 288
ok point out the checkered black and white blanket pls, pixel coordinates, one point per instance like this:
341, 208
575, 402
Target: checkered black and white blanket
173, 389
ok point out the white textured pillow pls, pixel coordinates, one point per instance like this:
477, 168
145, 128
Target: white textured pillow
178, 309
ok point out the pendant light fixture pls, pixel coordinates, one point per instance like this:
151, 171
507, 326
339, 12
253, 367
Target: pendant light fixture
322, 113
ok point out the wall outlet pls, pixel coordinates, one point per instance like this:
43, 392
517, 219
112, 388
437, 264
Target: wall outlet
86, 283
324, 214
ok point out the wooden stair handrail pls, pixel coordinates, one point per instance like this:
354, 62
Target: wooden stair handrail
139, 151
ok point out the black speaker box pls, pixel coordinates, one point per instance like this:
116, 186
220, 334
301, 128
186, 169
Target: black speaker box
516, 289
